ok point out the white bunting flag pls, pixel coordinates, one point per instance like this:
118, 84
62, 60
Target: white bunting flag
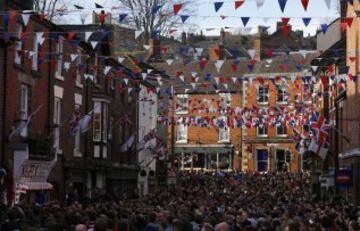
269, 61
226, 86
25, 18
193, 85
144, 75
147, 47
107, 69
149, 71
31, 53
303, 53
314, 68
169, 61
94, 44
218, 65
182, 77
39, 37
199, 51
194, 74
121, 59
328, 4
66, 66
129, 90
234, 79
88, 76
88, 35
251, 52
260, 3
158, 90
217, 80
138, 33
126, 81
73, 57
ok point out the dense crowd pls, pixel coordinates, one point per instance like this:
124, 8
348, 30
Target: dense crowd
200, 202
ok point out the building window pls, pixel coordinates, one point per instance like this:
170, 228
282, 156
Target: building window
35, 57
182, 130
24, 108
225, 101
77, 142
263, 95
97, 122
57, 123
19, 44
100, 129
224, 130
78, 69
281, 130
262, 131
262, 157
308, 92
182, 104
59, 56
282, 94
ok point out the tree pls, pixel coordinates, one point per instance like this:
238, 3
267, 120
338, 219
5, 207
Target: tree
142, 18
49, 7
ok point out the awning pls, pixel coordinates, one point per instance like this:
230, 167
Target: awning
35, 186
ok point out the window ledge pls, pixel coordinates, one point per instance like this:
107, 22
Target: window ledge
182, 113
281, 103
262, 136
224, 141
181, 142
59, 77
79, 85
263, 103
282, 136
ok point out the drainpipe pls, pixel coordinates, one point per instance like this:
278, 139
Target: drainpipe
5, 53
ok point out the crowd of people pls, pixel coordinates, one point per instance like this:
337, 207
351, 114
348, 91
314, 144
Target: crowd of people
200, 202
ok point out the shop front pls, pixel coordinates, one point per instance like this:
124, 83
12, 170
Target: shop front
205, 157
31, 177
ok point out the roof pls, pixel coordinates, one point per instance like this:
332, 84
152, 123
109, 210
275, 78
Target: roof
229, 79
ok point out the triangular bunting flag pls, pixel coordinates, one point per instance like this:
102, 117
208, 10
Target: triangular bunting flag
177, 8
252, 53
73, 57
25, 18
169, 61
259, 3
184, 18
305, 4
66, 66
238, 3
94, 44
147, 47
98, 6
218, 5
155, 9
88, 35
138, 33
282, 4
144, 75
324, 28
121, 59
219, 64
245, 20
107, 69
306, 21
122, 17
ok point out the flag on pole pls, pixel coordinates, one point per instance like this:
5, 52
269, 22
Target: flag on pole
127, 145
23, 124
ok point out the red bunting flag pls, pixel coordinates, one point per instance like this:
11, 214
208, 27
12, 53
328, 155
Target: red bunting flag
305, 4
102, 18
238, 3
177, 8
349, 21
172, 31
71, 35
285, 21
42, 17
269, 53
217, 52
343, 26
285, 30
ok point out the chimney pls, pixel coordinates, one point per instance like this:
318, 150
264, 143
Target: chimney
257, 44
222, 36
155, 48
190, 39
183, 38
96, 19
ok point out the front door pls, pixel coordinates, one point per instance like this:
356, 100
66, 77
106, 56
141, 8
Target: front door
262, 160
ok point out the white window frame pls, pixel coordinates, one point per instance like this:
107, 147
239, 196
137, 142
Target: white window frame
35, 58
57, 124
262, 135
77, 140
78, 80
265, 95
225, 101
180, 110
281, 94
19, 45
59, 57
105, 120
284, 128
24, 108
178, 135
311, 87
97, 112
224, 130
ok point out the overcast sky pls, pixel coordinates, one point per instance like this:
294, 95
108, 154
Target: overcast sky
205, 16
